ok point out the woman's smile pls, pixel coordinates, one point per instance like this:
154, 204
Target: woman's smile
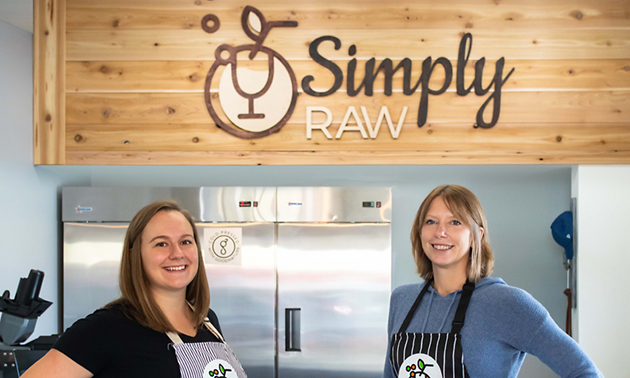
442, 247
176, 268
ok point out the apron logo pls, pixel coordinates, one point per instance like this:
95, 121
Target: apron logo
419, 365
254, 102
219, 369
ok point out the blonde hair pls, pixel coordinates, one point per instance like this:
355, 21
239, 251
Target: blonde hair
137, 300
467, 209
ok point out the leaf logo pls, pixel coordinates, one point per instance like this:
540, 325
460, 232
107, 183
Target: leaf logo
420, 366
219, 373
219, 369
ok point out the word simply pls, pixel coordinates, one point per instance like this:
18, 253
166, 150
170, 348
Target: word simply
386, 66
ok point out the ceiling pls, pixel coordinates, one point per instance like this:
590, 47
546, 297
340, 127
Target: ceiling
18, 13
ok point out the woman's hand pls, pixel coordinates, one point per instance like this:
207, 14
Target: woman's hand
56, 365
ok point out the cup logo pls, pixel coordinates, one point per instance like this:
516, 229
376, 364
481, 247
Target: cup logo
251, 102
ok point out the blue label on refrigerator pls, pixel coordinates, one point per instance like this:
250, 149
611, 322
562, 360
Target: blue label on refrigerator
82, 209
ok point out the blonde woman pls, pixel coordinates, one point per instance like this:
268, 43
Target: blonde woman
461, 322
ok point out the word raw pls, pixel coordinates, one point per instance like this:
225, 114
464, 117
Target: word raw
372, 132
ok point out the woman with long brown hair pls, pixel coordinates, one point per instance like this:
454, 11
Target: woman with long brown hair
161, 326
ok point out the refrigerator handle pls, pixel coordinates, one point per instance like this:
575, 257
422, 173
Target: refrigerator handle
292, 329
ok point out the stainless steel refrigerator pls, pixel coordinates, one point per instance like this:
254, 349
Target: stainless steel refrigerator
299, 277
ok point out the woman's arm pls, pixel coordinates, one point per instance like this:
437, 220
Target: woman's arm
56, 365
534, 331
388, 371
401, 296
83, 350
561, 353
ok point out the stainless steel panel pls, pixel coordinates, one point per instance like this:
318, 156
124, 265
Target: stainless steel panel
91, 259
243, 296
205, 204
339, 276
336, 276
323, 204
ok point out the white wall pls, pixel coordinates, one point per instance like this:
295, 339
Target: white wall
603, 208
28, 195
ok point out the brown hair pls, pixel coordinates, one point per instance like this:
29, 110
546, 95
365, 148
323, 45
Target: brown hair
137, 300
466, 207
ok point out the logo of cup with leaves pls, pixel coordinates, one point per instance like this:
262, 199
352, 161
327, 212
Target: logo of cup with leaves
417, 370
255, 97
219, 373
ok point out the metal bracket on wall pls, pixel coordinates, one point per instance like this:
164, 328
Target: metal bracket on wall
7, 364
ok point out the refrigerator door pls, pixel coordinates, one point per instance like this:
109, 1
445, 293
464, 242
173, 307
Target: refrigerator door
243, 289
91, 259
334, 282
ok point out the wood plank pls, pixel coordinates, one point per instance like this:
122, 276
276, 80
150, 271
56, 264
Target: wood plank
342, 158
356, 15
49, 82
189, 76
513, 44
525, 138
348, 4
516, 107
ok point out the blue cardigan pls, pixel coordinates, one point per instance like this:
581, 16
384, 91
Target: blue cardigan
502, 324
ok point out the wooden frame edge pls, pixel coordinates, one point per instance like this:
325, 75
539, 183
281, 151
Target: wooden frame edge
49, 75
254, 158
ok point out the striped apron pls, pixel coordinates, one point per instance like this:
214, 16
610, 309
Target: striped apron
206, 359
431, 355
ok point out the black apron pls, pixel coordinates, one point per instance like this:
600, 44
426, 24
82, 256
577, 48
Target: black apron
431, 355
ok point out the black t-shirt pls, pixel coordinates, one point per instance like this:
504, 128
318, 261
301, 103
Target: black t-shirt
109, 344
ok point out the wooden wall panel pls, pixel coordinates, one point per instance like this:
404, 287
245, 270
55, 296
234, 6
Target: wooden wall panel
189, 108
49, 82
417, 44
137, 15
130, 74
369, 13
433, 137
343, 157
189, 76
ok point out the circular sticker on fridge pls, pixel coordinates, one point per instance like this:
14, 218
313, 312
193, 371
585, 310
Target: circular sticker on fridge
219, 369
223, 245
419, 365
